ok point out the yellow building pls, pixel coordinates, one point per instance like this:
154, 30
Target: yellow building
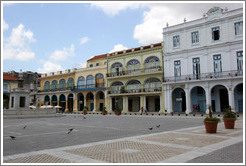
90, 84
135, 79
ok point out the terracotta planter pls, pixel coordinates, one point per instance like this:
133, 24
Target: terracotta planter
104, 113
211, 126
84, 112
229, 123
117, 113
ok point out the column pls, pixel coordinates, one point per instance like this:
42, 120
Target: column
66, 106
141, 103
161, 104
144, 102
208, 100
125, 110
187, 97
95, 102
110, 104
75, 104
85, 101
170, 101
231, 99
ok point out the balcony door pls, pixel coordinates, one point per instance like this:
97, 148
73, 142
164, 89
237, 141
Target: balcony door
196, 68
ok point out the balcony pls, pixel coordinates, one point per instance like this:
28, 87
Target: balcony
205, 76
135, 72
124, 90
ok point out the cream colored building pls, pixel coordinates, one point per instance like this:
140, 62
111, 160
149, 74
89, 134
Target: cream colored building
135, 79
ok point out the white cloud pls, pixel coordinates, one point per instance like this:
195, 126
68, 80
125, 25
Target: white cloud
5, 26
17, 45
118, 47
61, 55
113, 8
49, 67
84, 40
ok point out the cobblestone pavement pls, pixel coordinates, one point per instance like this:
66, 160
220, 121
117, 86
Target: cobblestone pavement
191, 145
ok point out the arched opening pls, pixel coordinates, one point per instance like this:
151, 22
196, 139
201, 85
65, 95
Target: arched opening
81, 82
54, 85
100, 100
47, 100
198, 99
54, 100
238, 98
179, 100
47, 86
70, 102
62, 101
117, 102
80, 102
90, 81
152, 64
219, 97
133, 67
116, 69
62, 84
90, 101
116, 87
99, 80
70, 83
133, 86
5, 101
152, 84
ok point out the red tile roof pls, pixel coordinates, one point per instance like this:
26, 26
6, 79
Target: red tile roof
97, 57
9, 77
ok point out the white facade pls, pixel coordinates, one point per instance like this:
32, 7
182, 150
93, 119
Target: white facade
207, 53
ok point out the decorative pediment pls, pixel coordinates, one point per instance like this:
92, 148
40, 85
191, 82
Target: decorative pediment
214, 12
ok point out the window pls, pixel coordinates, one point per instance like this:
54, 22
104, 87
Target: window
177, 69
89, 81
176, 41
12, 102
238, 28
217, 66
5, 87
81, 82
70, 83
240, 62
194, 37
97, 64
216, 33
91, 65
196, 68
47, 86
62, 84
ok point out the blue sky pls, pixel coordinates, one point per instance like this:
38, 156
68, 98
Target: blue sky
46, 37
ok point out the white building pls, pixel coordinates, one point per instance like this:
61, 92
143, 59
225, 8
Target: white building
203, 63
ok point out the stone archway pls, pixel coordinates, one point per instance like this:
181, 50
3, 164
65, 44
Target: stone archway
219, 98
70, 102
198, 99
80, 102
238, 98
179, 100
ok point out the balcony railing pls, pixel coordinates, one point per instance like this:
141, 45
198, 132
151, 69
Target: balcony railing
205, 76
136, 90
136, 71
90, 86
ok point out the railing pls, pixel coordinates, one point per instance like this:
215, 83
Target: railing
205, 76
137, 90
136, 71
99, 85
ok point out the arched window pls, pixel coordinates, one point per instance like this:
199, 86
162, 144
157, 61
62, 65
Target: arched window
47, 100
116, 87
116, 69
62, 84
152, 84
133, 86
54, 100
70, 83
47, 86
133, 66
99, 80
54, 85
89, 81
152, 63
81, 82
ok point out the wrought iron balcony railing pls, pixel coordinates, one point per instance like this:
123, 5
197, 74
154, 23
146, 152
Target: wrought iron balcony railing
136, 71
204, 76
137, 90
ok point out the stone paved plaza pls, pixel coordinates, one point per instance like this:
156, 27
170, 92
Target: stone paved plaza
123, 139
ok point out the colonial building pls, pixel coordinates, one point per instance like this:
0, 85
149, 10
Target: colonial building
135, 79
90, 84
203, 63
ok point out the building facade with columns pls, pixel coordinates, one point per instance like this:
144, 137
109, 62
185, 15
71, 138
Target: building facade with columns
135, 79
90, 84
203, 63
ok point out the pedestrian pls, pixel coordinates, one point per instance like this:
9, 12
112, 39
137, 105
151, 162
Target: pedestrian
145, 110
194, 108
198, 108
141, 110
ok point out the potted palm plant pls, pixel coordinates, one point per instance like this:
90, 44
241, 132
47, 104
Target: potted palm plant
117, 111
85, 110
104, 111
211, 122
229, 118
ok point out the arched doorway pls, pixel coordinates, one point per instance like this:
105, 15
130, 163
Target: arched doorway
198, 99
90, 101
47, 100
99, 80
62, 101
179, 100
54, 100
80, 102
219, 97
100, 100
70, 102
5, 101
238, 98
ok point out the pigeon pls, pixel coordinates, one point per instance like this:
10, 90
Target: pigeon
70, 130
158, 126
150, 128
84, 117
12, 137
24, 127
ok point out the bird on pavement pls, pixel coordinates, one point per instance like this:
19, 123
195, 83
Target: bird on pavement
84, 117
158, 126
150, 128
12, 137
24, 127
70, 130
